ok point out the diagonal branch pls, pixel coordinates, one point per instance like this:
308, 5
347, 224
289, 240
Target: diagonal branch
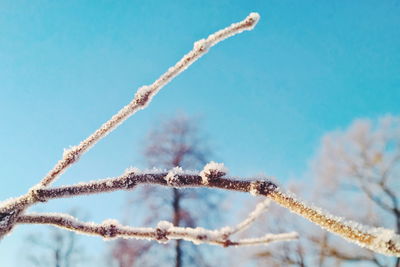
146, 93
380, 240
260, 208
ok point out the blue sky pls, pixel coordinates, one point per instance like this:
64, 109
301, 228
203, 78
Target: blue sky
265, 97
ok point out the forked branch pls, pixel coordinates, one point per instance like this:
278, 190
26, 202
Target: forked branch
144, 94
11, 209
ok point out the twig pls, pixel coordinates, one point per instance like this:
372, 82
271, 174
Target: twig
146, 93
162, 233
260, 208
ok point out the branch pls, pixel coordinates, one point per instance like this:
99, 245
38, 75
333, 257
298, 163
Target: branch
378, 201
260, 208
380, 240
164, 231
332, 250
134, 177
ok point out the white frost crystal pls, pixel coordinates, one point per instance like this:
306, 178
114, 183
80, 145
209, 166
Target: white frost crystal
172, 176
202, 45
164, 225
214, 170
132, 170
143, 93
254, 189
383, 237
254, 16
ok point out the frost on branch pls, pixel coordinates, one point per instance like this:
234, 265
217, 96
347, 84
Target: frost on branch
145, 94
172, 177
164, 231
262, 188
212, 171
380, 240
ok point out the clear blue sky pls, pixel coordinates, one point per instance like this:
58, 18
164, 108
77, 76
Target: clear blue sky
266, 97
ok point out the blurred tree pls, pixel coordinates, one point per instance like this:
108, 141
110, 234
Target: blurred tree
176, 142
126, 252
58, 248
361, 166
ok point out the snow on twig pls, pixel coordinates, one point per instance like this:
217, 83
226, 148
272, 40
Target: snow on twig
164, 231
145, 93
212, 170
176, 177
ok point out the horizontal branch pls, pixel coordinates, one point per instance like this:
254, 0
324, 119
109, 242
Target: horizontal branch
164, 231
132, 179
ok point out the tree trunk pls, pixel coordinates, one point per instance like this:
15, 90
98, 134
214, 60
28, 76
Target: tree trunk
397, 214
57, 258
176, 221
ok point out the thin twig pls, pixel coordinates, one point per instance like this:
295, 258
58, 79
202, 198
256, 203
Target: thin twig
260, 208
162, 233
146, 93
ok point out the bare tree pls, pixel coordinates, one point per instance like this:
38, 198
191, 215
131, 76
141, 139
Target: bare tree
176, 142
55, 248
314, 247
364, 161
360, 164
127, 252
213, 175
